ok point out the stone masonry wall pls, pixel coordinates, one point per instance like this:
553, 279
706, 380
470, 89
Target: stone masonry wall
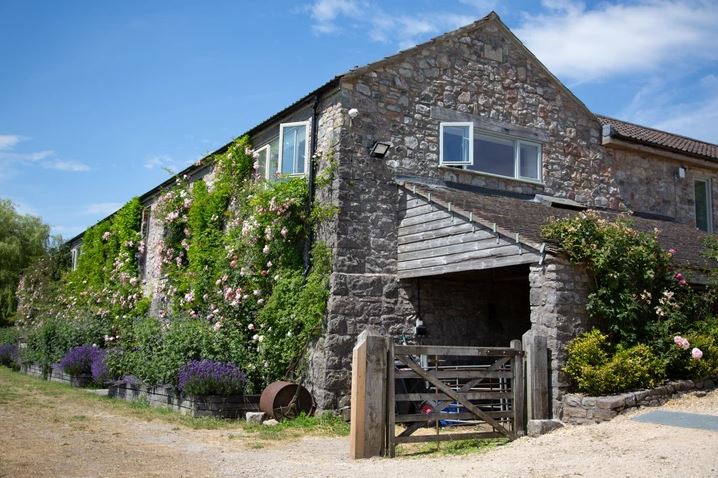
558, 312
483, 73
580, 409
648, 183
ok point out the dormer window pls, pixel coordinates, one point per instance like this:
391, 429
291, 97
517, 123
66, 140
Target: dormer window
489, 153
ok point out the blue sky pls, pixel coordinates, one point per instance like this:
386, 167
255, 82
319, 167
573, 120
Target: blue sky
97, 98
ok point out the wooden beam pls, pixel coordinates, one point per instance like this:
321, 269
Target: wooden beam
537, 393
456, 351
458, 374
449, 437
519, 398
470, 265
432, 417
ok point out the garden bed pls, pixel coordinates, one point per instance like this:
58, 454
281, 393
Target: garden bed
57, 374
579, 409
196, 406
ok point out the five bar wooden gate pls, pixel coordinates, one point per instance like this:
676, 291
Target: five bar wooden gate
477, 387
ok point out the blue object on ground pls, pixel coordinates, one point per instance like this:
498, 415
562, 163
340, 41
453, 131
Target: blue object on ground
680, 419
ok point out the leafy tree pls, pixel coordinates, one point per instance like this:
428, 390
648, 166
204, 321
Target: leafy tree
23, 238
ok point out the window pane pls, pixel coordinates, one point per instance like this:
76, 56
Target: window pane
455, 144
493, 155
528, 161
702, 210
293, 149
301, 151
273, 158
261, 162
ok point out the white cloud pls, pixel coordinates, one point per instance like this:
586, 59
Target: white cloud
382, 26
162, 161
325, 12
8, 141
73, 166
45, 158
101, 208
583, 44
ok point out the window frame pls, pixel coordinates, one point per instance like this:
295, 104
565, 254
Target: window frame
266, 159
481, 133
708, 184
468, 124
282, 127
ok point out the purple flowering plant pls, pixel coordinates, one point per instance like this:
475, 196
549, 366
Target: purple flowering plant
207, 377
9, 355
85, 359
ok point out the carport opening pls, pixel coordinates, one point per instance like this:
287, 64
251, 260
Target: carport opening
483, 308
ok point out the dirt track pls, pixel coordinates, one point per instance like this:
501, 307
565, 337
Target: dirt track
56, 434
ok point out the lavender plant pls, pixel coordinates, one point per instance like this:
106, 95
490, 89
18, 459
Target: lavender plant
9, 355
207, 377
79, 360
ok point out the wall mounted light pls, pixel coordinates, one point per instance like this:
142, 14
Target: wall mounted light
681, 173
379, 149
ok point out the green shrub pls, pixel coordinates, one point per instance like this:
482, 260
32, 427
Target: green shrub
48, 343
9, 335
596, 369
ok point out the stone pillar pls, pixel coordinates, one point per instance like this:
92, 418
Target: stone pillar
558, 312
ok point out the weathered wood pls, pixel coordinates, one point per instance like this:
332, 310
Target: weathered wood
458, 374
519, 398
448, 437
482, 244
432, 417
420, 210
368, 395
470, 265
391, 402
537, 391
454, 351
404, 230
495, 252
459, 397
422, 397
446, 231
424, 218
412, 202
460, 237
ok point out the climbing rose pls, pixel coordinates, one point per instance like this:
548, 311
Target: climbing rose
672, 251
266, 249
696, 353
681, 342
106, 235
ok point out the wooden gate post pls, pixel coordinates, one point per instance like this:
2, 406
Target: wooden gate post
536, 350
519, 399
368, 404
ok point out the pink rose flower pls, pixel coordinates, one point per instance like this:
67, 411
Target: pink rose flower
681, 342
696, 353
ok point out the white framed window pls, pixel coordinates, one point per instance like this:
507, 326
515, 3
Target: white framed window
704, 204
455, 144
268, 159
294, 148
489, 153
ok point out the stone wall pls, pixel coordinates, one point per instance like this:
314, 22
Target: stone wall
580, 409
558, 312
648, 183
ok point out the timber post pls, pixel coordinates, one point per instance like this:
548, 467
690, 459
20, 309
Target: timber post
536, 350
368, 401
519, 398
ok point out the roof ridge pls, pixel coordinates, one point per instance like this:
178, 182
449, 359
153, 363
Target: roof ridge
600, 116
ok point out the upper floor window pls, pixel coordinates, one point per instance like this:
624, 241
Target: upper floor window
488, 153
268, 159
293, 147
704, 205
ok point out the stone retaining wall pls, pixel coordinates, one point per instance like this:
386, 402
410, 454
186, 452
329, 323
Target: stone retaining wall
207, 406
579, 409
33, 369
57, 374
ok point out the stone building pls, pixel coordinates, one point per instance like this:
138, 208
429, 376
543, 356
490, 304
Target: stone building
483, 146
